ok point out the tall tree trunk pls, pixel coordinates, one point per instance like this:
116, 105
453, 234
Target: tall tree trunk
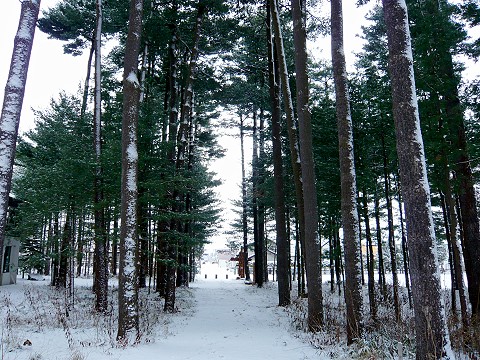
312, 237
381, 266
13, 101
293, 146
100, 283
256, 232
406, 260
431, 334
360, 243
160, 255
456, 253
244, 202
86, 86
55, 247
350, 223
128, 327
446, 225
80, 244
261, 196
115, 244
182, 140
370, 263
331, 249
312, 246
461, 160
391, 235
282, 242
64, 253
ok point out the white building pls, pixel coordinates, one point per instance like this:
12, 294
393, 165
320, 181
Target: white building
11, 248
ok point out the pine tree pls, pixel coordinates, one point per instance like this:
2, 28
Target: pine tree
431, 333
128, 286
350, 222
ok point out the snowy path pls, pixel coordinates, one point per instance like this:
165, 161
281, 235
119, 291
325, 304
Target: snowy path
218, 319
234, 321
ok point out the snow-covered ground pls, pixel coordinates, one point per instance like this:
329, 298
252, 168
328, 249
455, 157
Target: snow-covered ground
217, 319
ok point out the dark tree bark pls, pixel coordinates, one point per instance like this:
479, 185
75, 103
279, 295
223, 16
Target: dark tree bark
381, 266
100, 283
128, 327
316, 308
391, 235
370, 262
279, 196
64, 252
86, 86
350, 223
259, 260
160, 254
455, 248
261, 196
406, 260
115, 245
431, 334
461, 161
13, 101
312, 246
244, 201
312, 237
182, 141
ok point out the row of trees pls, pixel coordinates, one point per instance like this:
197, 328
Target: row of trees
154, 205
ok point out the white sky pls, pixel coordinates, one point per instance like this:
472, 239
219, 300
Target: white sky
50, 70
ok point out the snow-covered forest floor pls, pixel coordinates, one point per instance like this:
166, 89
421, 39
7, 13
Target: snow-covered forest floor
216, 319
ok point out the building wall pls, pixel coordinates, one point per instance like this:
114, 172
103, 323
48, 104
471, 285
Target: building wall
9, 272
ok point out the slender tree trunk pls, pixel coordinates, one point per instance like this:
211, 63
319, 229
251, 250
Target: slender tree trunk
338, 259
13, 101
456, 252
360, 243
64, 253
431, 334
381, 267
100, 284
256, 232
310, 208
80, 244
331, 247
261, 197
55, 247
86, 86
446, 225
406, 260
128, 327
279, 195
370, 268
182, 140
353, 286
166, 255
466, 191
391, 235
244, 202
115, 245
293, 142
160, 255
311, 240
